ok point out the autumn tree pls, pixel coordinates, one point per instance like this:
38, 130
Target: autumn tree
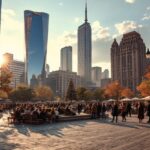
43, 92
127, 92
88, 94
81, 93
3, 94
144, 87
99, 94
22, 93
147, 74
113, 90
71, 92
5, 79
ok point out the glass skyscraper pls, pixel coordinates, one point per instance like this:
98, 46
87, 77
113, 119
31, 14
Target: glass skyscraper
36, 37
84, 50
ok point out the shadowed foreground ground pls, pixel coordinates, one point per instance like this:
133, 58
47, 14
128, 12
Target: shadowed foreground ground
79, 135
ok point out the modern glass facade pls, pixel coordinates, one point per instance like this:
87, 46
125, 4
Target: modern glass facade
36, 37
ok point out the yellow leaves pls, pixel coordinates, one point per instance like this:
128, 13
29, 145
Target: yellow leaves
43, 92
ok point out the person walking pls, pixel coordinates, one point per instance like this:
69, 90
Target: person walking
123, 112
141, 112
148, 112
115, 112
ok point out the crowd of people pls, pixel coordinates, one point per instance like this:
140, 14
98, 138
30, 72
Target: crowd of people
44, 112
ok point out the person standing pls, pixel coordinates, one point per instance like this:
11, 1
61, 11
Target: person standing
115, 112
141, 112
148, 112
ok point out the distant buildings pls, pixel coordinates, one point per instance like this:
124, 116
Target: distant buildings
66, 59
96, 76
85, 50
59, 80
105, 74
16, 67
128, 60
36, 36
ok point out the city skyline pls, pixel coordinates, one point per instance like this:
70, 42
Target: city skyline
105, 26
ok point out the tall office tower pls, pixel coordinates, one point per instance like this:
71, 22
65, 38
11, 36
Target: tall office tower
36, 36
85, 50
16, 67
66, 59
96, 76
105, 74
0, 13
128, 60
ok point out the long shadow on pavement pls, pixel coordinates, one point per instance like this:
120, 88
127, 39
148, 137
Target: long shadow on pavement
48, 129
4, 143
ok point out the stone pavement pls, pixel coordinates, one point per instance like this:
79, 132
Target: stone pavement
77, 135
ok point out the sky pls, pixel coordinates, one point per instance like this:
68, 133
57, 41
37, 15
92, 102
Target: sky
109, 19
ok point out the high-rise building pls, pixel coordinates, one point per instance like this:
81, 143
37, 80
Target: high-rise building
36, 36
128, 60
16, 67
96, 76
84, 50
59, 81
105, 74
66, 59
0, 13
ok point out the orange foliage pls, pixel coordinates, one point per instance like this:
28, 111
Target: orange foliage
126, 92
147, 75
144, 88
114, 90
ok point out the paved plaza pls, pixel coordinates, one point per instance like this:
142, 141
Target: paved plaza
76, 135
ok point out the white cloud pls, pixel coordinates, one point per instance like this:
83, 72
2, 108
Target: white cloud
99, 32
77, 20
60, 4
130, 1
126, 26
148, 8
12, 34
146, 17
147, 14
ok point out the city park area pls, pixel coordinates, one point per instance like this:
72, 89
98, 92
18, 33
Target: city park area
110, 118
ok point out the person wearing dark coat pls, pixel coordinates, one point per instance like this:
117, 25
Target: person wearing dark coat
141, 112
99, 109
104, 111
148, 111
115, 112
129, 109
